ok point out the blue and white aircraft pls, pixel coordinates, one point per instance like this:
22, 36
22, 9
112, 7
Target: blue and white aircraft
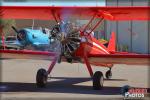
37, 39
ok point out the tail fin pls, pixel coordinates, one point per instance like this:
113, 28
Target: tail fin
112, 42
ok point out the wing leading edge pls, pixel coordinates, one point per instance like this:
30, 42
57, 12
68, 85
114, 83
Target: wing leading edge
26, 54
46, 12
129, 59
98, 59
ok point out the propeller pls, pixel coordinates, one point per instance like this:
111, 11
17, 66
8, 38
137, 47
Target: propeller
15, 29
21, 34
67, 38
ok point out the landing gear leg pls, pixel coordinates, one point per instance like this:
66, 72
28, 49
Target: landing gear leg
42, 74
98, 78
108, 74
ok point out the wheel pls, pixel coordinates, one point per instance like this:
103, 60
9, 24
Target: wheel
98, 80
69, 60
59, 59
108, 74
41, 78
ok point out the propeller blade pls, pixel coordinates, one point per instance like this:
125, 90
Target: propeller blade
67, 34
15, 29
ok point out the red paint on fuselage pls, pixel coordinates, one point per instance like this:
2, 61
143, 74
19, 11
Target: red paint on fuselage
91, 46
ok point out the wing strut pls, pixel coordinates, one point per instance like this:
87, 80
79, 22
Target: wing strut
89, 23
3, 42
57, 19
98, 23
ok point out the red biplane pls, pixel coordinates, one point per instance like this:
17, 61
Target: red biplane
77, 45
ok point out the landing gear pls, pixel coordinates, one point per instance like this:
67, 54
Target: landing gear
69, 60
98, 80
42, 74
41, 78
108, 74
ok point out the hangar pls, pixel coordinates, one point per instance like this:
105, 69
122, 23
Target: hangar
132, 36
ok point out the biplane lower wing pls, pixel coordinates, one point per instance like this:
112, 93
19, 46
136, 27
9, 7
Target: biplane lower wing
26, 54
129, 59
98, 59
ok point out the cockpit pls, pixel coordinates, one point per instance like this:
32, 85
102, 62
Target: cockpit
46, 31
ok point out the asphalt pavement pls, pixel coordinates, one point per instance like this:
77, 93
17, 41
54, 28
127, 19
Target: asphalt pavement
70, 81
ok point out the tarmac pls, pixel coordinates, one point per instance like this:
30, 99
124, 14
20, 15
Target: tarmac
67, 81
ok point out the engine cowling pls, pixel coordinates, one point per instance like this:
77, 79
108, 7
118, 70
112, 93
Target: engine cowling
21, 35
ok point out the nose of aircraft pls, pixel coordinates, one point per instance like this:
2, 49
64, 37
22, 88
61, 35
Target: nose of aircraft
21, 36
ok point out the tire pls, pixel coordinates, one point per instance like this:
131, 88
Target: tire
59, 59
108, 74
98, 80
41, 78
69, 60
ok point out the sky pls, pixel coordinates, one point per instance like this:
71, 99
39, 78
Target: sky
53, 2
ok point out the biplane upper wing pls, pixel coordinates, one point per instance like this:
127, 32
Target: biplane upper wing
47, 12
127, 58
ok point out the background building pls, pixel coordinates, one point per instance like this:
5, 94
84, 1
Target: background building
133, 34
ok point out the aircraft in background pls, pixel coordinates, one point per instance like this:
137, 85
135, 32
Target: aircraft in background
29, 38
74, 44
35, 39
